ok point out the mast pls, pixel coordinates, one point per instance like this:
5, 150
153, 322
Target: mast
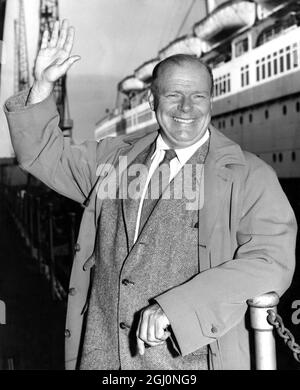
49, 13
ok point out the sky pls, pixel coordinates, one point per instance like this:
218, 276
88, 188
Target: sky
113, 37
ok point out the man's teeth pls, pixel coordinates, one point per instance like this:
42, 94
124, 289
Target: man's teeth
180, 120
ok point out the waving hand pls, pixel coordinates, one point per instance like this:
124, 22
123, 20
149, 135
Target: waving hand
53, 60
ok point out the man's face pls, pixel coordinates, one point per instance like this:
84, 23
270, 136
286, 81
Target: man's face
182, 103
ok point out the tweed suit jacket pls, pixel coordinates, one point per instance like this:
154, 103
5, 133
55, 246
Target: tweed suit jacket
247, 247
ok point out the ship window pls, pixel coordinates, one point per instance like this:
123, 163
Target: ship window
241, 120
224, 85
269, 66
281, 63
293, 156
297, 106
263, 69
250, 117
232, 122
244, 75
228, 83
280, 157
266, 114
241, 47
284, 110
295, 55
274, 157
257, 70
275, 62
288, 57
247, 74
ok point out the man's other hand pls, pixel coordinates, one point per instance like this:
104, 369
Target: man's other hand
53, 60
152, 328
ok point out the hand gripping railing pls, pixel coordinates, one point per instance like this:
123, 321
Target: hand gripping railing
264, 341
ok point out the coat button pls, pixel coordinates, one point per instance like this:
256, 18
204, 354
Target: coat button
126, 282
77, 247
214, 329
67, 333
124, 326
72, 291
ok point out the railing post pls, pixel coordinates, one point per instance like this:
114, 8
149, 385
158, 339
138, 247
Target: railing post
265, 352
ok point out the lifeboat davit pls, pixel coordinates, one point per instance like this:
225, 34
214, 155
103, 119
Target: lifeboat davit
131, 84
144, 72
225, 20
185, 45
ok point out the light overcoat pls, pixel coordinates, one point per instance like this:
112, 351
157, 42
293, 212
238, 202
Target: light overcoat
246, 238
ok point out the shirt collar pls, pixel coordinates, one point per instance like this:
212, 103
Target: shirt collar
183, 154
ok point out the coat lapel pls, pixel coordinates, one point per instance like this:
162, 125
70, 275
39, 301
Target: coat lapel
218, 179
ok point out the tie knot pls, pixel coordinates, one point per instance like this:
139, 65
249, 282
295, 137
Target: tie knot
169, 154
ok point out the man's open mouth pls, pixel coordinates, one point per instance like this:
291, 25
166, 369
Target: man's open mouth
182, 120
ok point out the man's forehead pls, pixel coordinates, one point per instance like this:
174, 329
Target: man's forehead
183, 69
187, 73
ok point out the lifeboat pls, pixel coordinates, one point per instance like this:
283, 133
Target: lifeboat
131, 84
185, 45
225, 20
144, 72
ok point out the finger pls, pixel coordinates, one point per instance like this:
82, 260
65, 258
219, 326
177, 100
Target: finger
160, 330
45, 38
54, 35
69, 40
140, 343
66, 65
63, 34
140, 346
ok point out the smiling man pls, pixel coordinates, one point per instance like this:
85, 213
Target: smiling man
169, 284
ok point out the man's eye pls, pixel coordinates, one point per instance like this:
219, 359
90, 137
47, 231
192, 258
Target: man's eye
172, 95
199, 96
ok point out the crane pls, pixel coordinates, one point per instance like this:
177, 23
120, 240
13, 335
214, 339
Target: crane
22, 80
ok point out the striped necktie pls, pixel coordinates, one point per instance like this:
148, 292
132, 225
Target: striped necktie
157, 184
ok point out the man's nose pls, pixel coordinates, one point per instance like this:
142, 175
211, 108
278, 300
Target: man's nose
185, 104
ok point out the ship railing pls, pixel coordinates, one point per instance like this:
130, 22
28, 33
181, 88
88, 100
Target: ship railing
264, 340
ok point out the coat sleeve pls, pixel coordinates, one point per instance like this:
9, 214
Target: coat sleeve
209, 305
42, 150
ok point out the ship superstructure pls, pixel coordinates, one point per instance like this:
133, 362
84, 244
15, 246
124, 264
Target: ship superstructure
253, 49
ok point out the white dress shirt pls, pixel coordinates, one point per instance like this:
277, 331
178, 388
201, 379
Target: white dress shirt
183, 155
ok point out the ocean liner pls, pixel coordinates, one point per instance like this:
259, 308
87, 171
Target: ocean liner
253, 50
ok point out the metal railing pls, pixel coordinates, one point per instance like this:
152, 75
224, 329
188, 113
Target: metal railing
49, 234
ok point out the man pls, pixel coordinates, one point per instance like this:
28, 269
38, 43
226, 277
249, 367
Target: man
165, 276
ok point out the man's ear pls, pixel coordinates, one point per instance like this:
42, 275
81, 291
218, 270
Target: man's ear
151, 99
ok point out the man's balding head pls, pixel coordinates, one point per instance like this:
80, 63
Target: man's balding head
179, 60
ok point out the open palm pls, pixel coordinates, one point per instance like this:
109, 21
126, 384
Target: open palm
54, 59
